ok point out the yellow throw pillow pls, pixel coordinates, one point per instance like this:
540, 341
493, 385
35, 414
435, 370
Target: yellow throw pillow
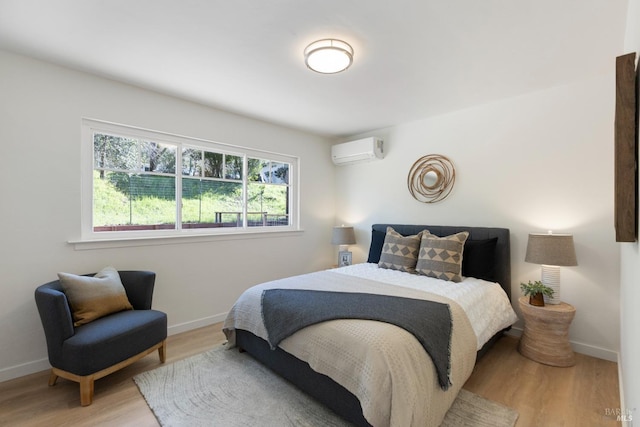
94, 297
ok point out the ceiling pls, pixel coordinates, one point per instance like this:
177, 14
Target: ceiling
413, 58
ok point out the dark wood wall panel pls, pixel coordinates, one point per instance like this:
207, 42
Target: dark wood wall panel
626, 150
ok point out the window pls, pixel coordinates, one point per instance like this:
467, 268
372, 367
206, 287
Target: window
149, 183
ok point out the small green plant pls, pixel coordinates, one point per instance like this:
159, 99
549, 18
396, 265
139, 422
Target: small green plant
536, 287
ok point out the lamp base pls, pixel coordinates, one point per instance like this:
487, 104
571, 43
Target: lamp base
551, 278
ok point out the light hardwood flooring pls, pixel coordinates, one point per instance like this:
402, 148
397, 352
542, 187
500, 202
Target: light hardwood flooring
548, 396
543, 395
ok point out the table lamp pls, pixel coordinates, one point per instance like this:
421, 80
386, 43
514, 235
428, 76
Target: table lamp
343, 236
552, 251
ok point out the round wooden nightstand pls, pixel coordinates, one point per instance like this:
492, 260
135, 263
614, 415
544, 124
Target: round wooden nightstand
545, 338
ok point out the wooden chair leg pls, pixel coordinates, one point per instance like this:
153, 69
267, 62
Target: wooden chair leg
162, 351
86, 390
52, 379
87, 382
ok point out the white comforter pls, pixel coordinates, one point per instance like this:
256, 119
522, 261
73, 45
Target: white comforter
384, 366
485, 303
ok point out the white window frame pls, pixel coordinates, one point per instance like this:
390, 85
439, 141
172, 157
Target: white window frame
88, 235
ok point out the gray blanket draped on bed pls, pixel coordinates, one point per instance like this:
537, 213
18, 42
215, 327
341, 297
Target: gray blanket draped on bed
286, 311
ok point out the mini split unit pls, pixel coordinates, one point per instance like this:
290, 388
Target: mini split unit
362, 150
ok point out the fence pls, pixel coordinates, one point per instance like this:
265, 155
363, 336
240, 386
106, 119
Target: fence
254, 219
222, 219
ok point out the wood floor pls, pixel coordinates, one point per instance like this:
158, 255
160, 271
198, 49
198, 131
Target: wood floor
543, 395
548, 396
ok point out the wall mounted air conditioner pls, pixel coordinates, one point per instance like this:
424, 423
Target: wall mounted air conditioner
362, 150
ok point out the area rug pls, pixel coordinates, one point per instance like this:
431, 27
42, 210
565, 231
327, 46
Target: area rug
227, 388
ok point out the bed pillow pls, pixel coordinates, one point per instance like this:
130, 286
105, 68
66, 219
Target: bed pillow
400, 252
93, 297
375, 249
479, 259
441, 257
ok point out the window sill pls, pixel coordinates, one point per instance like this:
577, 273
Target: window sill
126, 242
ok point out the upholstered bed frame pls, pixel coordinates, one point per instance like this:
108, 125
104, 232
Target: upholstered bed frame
495, 265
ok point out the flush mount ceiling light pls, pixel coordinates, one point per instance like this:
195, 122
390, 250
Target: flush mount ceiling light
328, 56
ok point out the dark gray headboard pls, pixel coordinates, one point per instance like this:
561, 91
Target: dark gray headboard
486, 246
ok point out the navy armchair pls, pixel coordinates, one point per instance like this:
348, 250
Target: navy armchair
89, 352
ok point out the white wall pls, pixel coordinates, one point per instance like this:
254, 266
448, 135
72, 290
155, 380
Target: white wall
41, 107
630, 276
539, 162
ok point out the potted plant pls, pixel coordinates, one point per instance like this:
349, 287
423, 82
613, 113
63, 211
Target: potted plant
536, 292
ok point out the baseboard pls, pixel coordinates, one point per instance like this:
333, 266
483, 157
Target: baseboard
28, 368
623, 409
195, 324
515, 332
578, 347
24, 369
594, 351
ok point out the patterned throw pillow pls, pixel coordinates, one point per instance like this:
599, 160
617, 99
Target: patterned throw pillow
441, 257
93, 297
400, 252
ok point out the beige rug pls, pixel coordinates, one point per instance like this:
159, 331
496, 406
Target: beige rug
230, 389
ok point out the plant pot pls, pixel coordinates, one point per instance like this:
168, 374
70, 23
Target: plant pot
537, 299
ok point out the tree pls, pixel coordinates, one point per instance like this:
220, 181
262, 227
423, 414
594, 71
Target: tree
114, 152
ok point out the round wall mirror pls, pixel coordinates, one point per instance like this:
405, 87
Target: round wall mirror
431, 178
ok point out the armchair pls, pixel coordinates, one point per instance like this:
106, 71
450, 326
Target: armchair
91, 351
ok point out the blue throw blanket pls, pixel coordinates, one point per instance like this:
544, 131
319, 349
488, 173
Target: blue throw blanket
286, 311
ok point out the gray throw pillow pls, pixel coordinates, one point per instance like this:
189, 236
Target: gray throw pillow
441, 257
400, 252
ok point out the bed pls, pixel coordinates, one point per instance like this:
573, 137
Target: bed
374, 372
